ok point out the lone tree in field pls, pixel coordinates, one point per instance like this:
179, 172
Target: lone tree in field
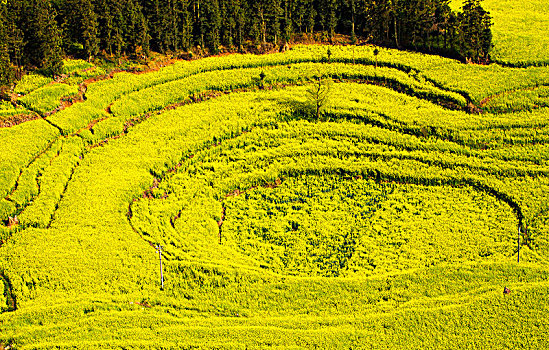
376, 53
319, 93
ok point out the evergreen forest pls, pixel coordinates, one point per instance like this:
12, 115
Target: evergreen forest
38, 33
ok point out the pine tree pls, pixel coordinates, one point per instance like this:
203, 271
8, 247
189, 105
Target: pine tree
300, 11
136, 29
288, 20
105, 21
80, 26
415, 22
275, 15
475, 36
240, 11
6, 72
377, 18
486, 36
41, 35
161, 18
89, 28
443, 15
50, 37
331, 17
351, 4
152, 12
212, 24
131, 26
183, 23
259, 21
113, 19
310, 20
198, 23
228, 22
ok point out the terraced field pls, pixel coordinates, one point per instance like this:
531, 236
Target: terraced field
389, 221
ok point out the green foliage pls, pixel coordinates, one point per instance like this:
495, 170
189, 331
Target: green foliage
80, 27
519, 100
369, 228
20, 145
395, 215
519, 31
45, 35
75, 66
7, 109
48, 98
52, 183
31, 82
7, 208
475, 32
6, 71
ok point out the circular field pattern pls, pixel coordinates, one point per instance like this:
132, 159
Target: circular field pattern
332, 226
313, 199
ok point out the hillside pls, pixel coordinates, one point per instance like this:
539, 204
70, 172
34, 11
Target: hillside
324, 197
389, 222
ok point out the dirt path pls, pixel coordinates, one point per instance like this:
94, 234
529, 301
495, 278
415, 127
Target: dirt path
488, 99
81, 95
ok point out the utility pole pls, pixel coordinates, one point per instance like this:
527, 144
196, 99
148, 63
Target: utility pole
159, 248
518, 244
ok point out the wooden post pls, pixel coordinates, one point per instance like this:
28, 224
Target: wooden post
518, 245
159, 248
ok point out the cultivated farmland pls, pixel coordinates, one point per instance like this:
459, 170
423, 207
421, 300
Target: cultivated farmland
388, 220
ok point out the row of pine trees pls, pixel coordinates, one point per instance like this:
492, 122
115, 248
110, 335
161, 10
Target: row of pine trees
38, 33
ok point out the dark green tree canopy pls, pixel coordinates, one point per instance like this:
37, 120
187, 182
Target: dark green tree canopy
36, 33
6, 72
475, 33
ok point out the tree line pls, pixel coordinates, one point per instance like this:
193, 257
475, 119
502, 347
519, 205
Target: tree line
38, 33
